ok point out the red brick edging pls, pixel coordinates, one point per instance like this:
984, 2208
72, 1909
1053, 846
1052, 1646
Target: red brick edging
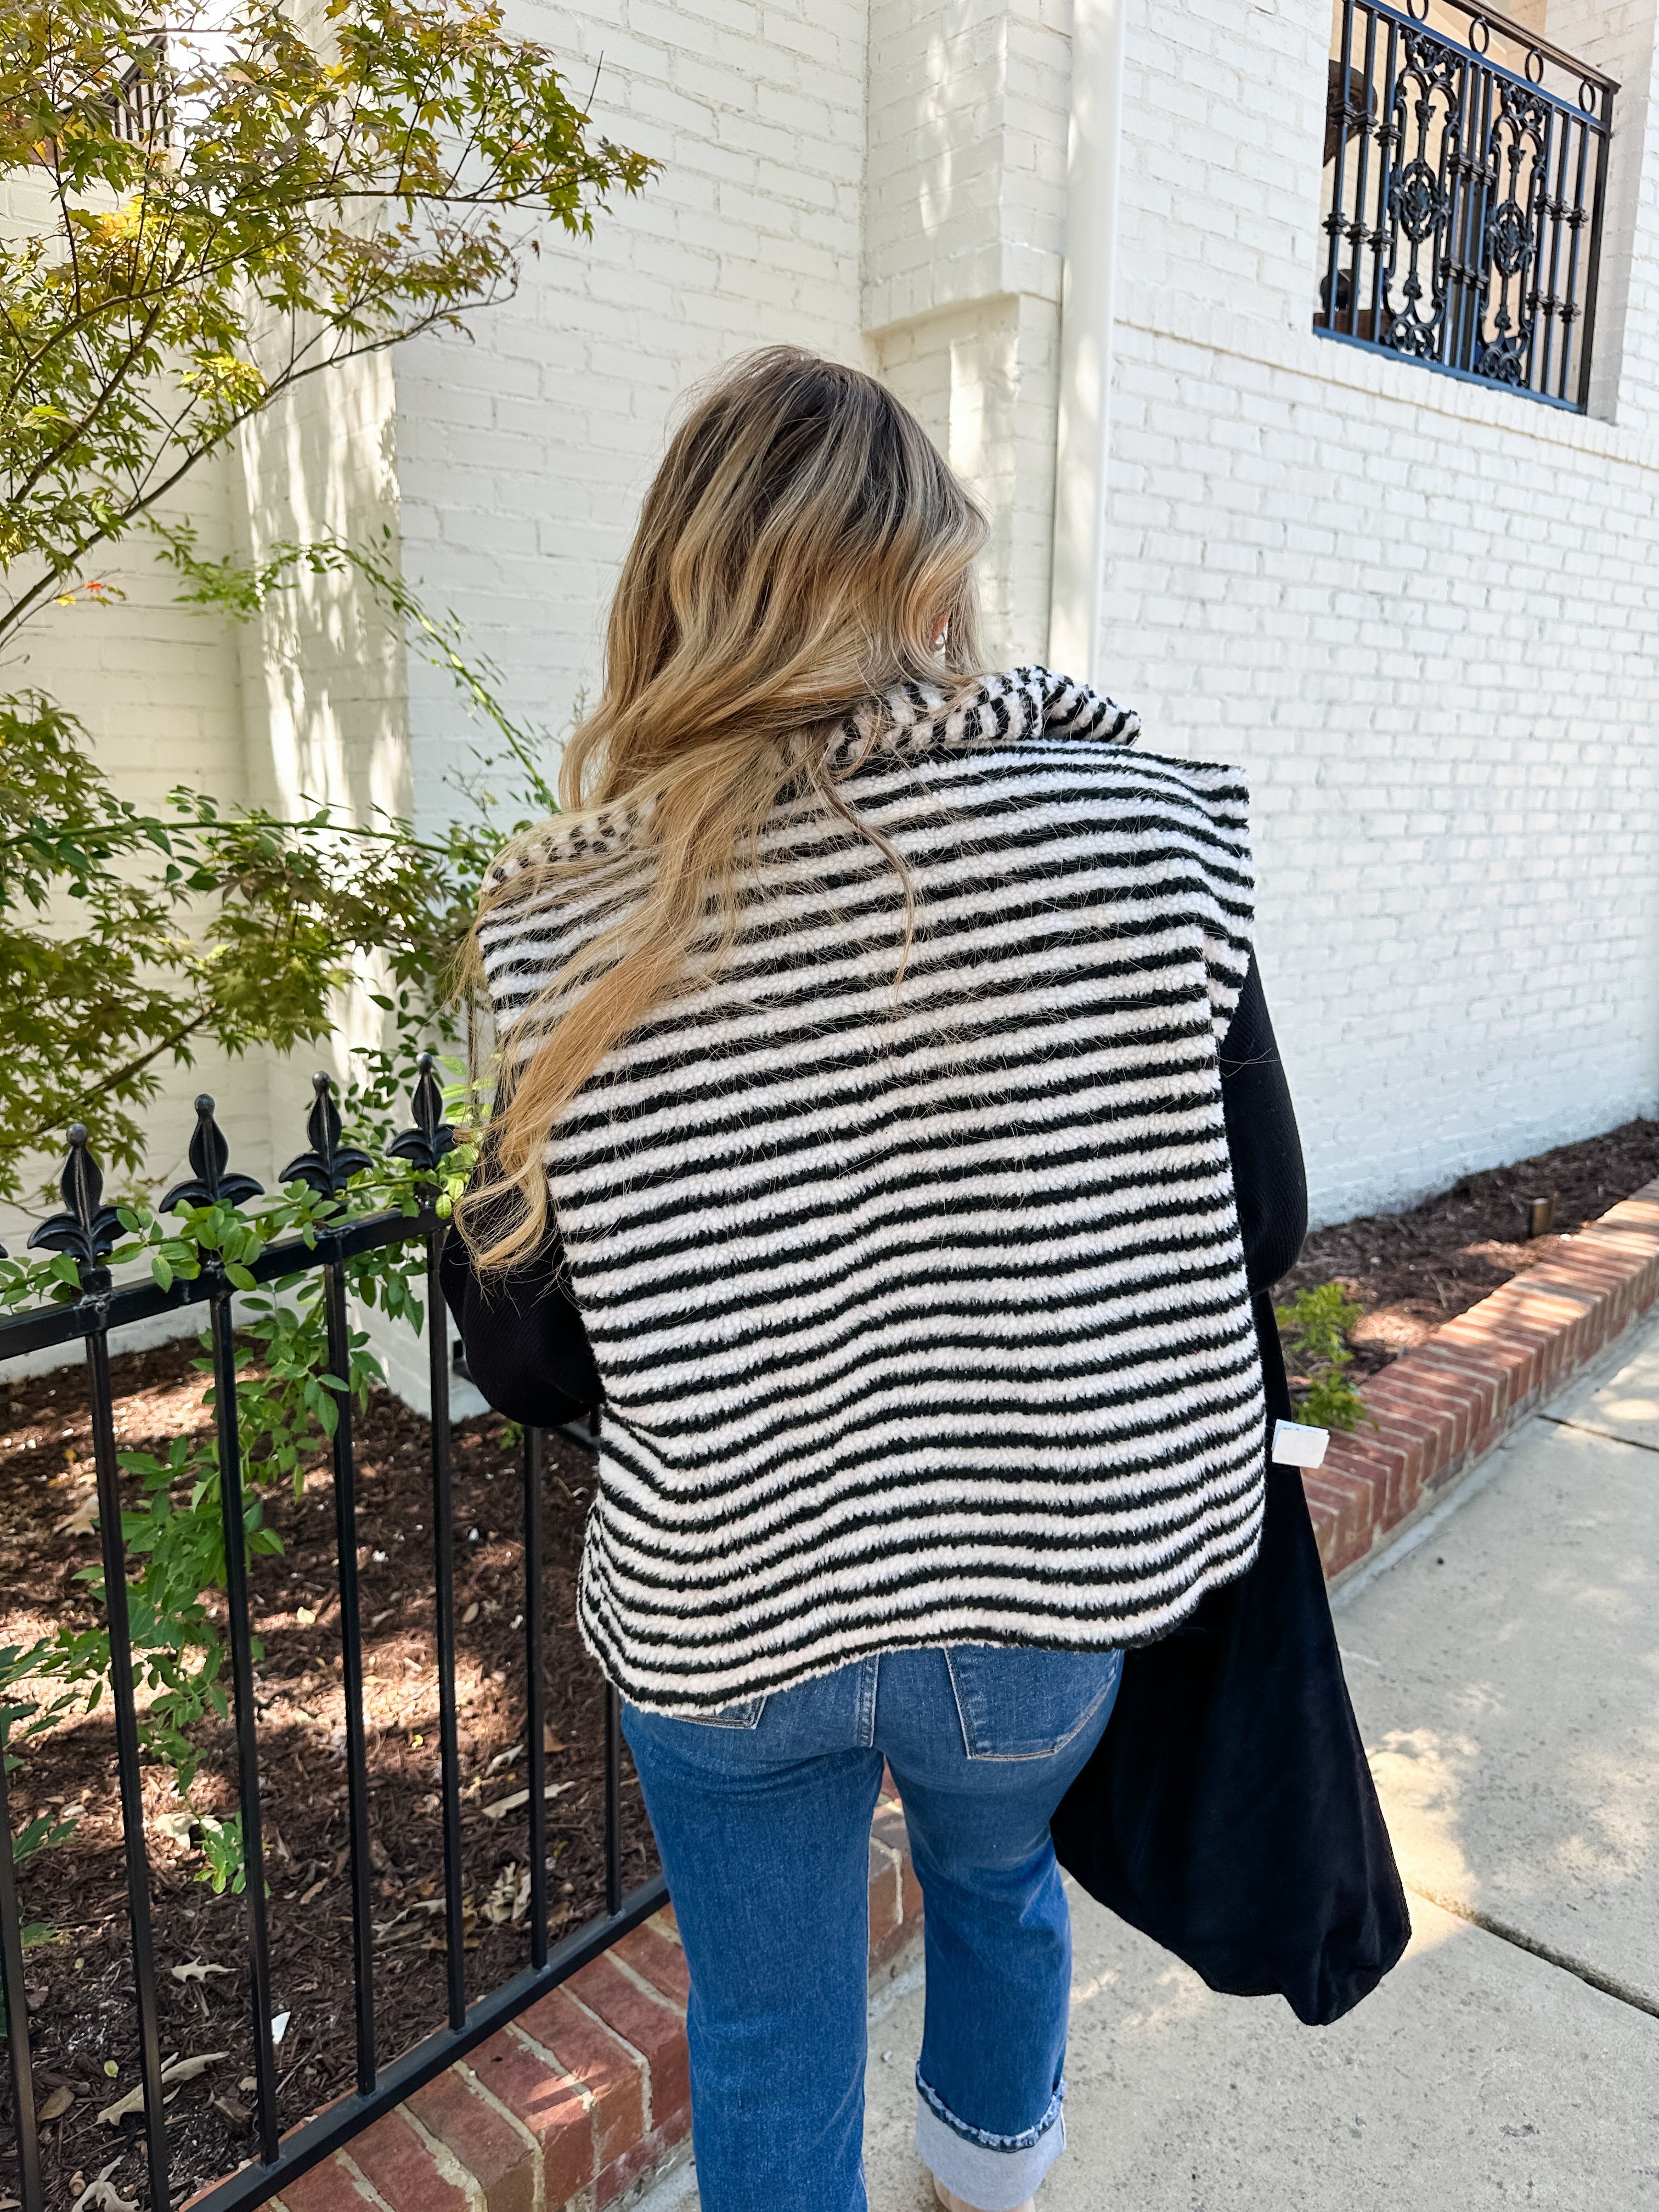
1443, 1406
579, 2098
584, 2096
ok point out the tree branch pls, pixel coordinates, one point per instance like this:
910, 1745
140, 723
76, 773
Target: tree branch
106, 1083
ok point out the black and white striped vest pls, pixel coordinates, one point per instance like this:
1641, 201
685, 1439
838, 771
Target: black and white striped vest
920, 1306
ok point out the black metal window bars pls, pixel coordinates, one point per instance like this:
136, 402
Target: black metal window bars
88, 1231
138, 107
1463, 196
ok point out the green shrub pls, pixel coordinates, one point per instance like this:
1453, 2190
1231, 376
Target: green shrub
1315, 1327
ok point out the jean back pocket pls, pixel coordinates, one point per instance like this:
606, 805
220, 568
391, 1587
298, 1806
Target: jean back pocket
1016, 1702
743, 1715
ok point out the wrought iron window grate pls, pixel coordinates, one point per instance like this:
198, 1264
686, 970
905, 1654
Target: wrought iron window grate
1466, 168
86, 1231
138, 108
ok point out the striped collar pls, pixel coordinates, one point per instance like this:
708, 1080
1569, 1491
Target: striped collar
1018, 702
911, 718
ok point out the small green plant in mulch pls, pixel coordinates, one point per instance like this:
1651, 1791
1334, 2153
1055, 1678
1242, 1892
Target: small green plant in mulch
1315, 1327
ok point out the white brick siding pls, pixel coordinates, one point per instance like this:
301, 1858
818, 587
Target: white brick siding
522, 453
1423, 616
158, 688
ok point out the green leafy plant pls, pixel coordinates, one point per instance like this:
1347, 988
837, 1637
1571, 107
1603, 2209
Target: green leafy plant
202, 214
213, 206
200, 926
222, 1848
288, 1409
1314, 1326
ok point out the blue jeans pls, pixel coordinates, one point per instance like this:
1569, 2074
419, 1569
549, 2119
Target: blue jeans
763, 1817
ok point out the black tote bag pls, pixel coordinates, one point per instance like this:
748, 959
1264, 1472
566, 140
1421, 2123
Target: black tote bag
1229, 1812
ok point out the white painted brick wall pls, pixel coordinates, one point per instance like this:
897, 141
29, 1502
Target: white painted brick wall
1617, 37
1424, 616
324, 685
157, 687
964, 234
523, 454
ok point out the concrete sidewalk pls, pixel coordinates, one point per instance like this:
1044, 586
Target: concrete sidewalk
1505, 1662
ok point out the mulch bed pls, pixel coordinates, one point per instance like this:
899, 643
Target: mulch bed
81, 2011
1410, 1271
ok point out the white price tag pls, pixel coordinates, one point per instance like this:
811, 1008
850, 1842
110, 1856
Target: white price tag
1295, 1445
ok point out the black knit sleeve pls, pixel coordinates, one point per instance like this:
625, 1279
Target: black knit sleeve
527, 1347
1268, 1178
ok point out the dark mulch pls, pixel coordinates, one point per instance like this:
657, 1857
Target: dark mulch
82, 2008
1412, 1271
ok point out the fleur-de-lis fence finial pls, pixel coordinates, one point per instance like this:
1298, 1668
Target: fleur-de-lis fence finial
425, 1144
329, 1166
209, 1153
88, 1228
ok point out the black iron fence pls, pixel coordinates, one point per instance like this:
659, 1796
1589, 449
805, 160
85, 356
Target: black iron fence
1466, 171
88, 1231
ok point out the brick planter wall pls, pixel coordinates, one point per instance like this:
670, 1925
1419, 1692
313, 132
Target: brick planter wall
582, 2095
585, 2095
1441, 1408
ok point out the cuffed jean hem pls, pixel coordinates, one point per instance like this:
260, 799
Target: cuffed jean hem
983, 2171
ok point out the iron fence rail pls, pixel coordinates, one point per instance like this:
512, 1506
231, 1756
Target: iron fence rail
1464, 196
88, 1230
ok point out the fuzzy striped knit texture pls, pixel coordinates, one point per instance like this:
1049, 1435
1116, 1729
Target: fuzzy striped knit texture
919, 1305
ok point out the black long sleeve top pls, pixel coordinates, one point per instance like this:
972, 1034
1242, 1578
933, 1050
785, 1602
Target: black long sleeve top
527, 1350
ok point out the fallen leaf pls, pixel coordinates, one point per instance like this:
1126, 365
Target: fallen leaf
549, 1742
378, 1857
471, 1614
505, 1805
504, 1758
198, 1970
247, 2084
235, 2115
100, 2195
56, 2106
173, 2072
81, 1522
188, 2070
315, 1890
509, 1899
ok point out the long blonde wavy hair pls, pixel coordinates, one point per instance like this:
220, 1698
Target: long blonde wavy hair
803, 549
